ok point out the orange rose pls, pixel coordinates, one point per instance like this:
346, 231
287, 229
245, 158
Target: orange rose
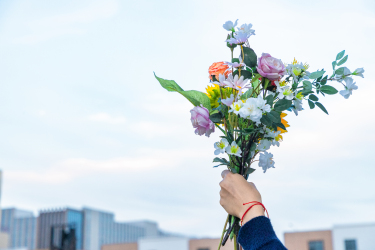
218, 68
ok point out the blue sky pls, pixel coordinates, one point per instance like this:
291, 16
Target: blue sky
84, 122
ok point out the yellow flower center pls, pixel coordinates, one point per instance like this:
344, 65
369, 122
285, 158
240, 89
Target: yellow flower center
234, 149
220, 145
287, 92
297, 71
299, 96
237, 107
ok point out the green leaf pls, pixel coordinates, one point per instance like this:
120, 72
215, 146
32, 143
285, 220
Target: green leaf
250, 58
235, 60
339, 71
253, 147
321, 107
316, 74
342, 61
280, 125
274, 116
328, 89
249, 171
334, 63
169, 85
269, 100
313, 98
221, 160
311, 104
340, 55
216, 118
305, 93
282, 105
266, 121
246, 74
324, 80
195, 97
247, 94
307, 86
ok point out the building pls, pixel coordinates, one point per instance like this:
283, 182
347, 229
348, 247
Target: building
59, 217
169, 243
341, 237
310, 240
354, 237
100, 228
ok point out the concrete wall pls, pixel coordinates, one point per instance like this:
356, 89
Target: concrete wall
364, 234
300, 240
211, 244
167, 243
4, 240
124, 246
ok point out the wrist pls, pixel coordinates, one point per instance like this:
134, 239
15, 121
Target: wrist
255, 211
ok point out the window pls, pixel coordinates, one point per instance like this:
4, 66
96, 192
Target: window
350, 245
316, 245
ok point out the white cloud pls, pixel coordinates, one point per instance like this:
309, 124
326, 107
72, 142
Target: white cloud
107, 118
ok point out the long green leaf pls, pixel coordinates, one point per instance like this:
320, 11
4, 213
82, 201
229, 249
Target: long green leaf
340, 55
342, 61
328, 89
321, 107
316, 74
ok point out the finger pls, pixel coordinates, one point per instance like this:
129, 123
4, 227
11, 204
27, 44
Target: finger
224, 173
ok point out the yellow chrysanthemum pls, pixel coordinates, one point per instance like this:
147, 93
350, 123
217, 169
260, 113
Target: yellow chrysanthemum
213, 93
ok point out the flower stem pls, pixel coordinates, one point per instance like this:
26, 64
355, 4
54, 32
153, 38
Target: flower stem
222, 235
235, 241
225, 121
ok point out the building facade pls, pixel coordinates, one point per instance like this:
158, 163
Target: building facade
310, 240
55, 218
20, 225
166, 243
354, 237
100, 228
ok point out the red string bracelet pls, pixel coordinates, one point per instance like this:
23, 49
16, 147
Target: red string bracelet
255, 203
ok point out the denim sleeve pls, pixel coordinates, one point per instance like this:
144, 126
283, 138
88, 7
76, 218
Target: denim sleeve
258, 234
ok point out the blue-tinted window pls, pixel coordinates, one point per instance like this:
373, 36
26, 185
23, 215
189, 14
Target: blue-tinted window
350, 245
76, 218
316, 245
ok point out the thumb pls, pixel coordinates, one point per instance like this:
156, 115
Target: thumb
224, 173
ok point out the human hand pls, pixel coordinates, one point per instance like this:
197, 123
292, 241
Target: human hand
235, 191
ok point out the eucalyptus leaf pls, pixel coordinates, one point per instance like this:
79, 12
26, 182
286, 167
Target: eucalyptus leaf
321, 107
334, 63
340, 55
328, 89
342, 61
311, 104
280, 125
313, 98
316, 74
282, 105
340, 71
324, 80
307, 86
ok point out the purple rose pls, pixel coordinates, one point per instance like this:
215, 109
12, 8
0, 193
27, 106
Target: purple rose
200, 118
270, 67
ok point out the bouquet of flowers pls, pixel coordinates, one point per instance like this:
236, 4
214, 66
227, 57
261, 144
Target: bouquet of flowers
247, 100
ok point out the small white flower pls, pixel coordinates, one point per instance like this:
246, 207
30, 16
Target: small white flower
220, 146
228, 101
251, 110
280, 86
246, 28
236, 107
273, 134
266, 161
262, 104
359, 72
241, 37
350, 86
344, 75
286, 93
233, 149
229, 26
297, 106
264, 145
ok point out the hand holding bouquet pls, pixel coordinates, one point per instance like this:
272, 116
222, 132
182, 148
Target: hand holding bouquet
247, 100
